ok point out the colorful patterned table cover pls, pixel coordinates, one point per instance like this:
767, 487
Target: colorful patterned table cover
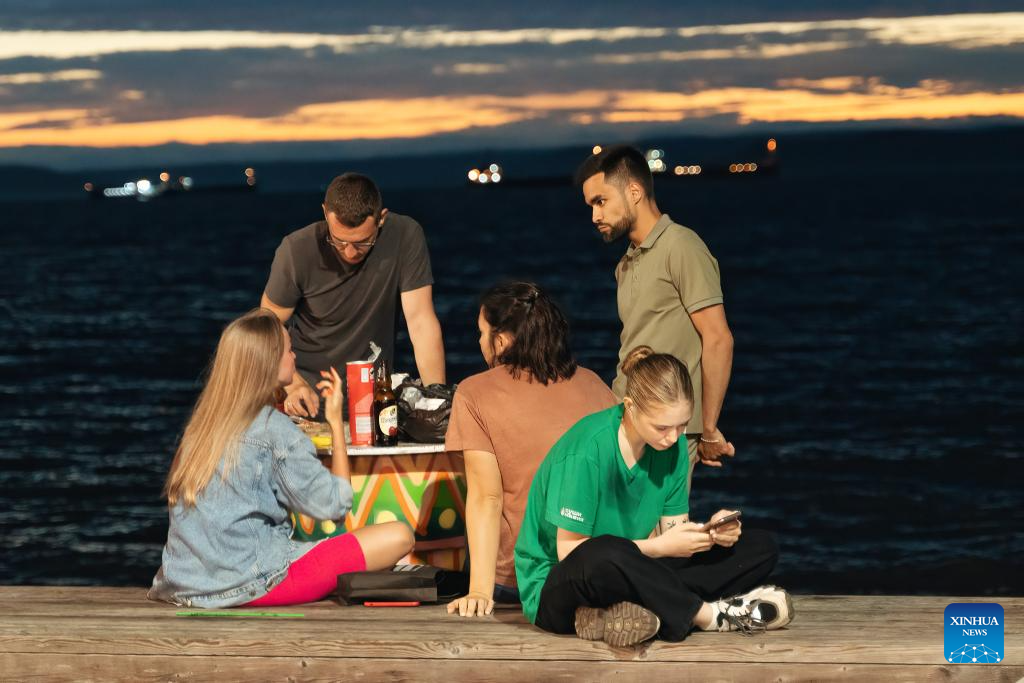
419, 484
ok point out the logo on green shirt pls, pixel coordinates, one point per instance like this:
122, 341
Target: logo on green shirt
572, 514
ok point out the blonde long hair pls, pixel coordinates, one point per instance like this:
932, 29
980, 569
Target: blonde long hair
655, 379
242, 379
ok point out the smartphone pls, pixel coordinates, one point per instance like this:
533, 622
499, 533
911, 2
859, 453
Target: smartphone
392, 604
708, 526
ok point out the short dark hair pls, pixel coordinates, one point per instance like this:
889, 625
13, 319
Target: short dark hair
540, 333
620, 164
353, 198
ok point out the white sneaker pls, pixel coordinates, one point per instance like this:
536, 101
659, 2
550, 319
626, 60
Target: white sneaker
764, 608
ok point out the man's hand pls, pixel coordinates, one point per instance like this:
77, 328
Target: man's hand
301, 400
712, 447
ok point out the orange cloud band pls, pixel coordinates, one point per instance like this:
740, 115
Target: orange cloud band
378, 119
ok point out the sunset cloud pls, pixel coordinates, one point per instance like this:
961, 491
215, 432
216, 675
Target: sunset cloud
926, 101
102, 89
770, 51
420, 117
51, 77
959, 31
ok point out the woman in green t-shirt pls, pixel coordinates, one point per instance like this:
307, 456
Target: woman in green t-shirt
607, 548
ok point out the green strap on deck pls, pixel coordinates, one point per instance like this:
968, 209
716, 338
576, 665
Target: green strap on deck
234, 613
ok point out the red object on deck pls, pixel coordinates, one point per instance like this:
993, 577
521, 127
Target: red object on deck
391, 604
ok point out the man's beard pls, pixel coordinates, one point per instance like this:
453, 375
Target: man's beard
617, 230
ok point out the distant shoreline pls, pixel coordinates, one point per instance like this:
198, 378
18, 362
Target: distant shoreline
447, 168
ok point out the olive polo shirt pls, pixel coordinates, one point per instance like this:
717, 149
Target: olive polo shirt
660, 283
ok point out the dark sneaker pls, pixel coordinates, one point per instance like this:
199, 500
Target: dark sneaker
622, 625
764, 608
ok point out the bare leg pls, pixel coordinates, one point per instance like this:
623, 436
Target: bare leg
384, 544
703, 618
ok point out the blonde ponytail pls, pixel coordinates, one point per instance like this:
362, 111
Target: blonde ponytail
655, 379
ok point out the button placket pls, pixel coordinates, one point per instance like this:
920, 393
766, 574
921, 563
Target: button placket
635, 289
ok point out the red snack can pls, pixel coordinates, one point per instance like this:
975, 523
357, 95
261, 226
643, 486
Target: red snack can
359, 378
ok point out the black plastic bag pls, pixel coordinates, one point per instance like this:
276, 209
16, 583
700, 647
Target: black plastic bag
420, 425
405, 583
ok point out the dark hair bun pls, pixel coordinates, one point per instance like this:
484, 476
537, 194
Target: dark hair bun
539, 330
634, 357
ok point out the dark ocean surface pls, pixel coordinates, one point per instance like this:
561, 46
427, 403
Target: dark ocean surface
877, 399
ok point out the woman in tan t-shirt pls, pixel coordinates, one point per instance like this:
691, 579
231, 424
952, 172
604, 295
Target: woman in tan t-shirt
505, 420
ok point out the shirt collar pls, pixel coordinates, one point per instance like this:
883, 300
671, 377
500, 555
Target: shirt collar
653, 236
616, 415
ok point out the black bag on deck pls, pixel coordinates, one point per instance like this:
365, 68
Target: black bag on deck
425, 426
405, 583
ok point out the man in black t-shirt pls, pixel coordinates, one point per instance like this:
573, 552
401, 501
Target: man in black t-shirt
336, 284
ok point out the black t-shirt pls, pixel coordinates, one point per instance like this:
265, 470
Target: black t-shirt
339, 307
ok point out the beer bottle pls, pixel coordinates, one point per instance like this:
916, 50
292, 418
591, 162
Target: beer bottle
385, 409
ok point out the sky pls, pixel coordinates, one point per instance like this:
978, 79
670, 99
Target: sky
86, 82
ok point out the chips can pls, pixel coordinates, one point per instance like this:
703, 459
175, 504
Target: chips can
359, 378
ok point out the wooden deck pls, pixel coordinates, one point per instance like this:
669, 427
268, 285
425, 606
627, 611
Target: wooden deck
116, 634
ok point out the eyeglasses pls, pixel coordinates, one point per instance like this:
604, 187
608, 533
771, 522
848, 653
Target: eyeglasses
342, 245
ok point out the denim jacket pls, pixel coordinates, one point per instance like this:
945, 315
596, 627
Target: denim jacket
234, 545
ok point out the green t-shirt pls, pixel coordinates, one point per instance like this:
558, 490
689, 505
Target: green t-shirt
583, 486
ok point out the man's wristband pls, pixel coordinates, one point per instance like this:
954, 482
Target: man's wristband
703, 440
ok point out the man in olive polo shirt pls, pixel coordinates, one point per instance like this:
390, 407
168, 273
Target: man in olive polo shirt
336, 284
669, 291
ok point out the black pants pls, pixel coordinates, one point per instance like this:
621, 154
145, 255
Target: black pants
608, 569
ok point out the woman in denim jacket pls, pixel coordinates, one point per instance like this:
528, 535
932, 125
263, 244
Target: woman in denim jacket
240, 467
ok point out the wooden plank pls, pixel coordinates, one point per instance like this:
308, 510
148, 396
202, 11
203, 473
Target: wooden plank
476, 639
225, 669
817, 619
834, 630
856, 607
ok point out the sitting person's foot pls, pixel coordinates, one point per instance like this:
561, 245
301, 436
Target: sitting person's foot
764, 608
622, 625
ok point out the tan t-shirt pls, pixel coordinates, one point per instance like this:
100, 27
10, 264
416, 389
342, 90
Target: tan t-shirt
519, 421
660, 283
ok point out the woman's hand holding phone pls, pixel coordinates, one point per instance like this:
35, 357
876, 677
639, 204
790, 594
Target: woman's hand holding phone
723, 530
